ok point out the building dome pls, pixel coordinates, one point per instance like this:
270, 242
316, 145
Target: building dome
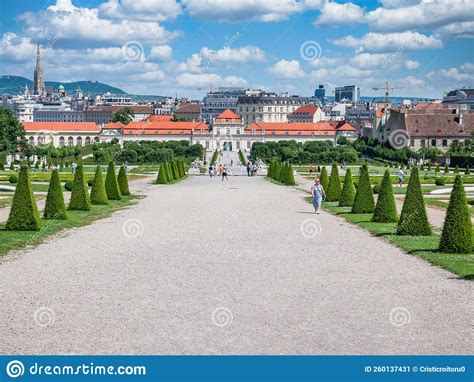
61, 87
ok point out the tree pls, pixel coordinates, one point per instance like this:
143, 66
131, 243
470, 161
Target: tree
467, 171
174, 172
446, 168
348, 191
276, 173
457, 229
385, 210
162, 177
323, 178
333, 192
55, 207
364, 198
111, 185
98, 193
214, 157
122, 181
24, 214
270, 169
12, 133
413, 219
283, 173
290, 178
80, 200
124, 115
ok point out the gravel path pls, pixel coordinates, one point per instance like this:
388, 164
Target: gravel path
231, 268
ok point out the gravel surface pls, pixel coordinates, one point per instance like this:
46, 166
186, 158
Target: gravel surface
236, 268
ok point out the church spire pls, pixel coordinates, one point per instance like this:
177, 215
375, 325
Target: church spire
38, 82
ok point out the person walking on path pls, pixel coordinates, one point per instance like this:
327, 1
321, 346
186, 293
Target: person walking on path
248, 169
224, 173
210, 171
220, 169
311, 169
317, 191
400, 176
73, 167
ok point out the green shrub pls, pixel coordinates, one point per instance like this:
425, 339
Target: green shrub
2, 166
174, 170
214, 157
80, 200
456, 169
376, 189
242, 158
55, 207
182, 168
437, 169
98, 193
111, 185
270, 169
277, 171
467, 171
385, 210
439, 182
167, 172
24, 214
11, 166
446, 168
283, 172
13, 179
348, 191
471, 202
457, 229
68, 185
122, 181
162, 177
364, 198
333, 192
290, 178
413, 219
323, 179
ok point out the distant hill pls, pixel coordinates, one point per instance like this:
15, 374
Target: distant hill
11, 84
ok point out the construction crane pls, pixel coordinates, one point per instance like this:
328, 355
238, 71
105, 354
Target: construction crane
387, 89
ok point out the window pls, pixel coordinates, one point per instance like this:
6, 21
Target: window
238, 131
218, 131
61, 141
228, 131
40, 140
422, 142
412, 142
70, 141
96, 139
88, 140
31, 141
79, 141
433, 142
445, 142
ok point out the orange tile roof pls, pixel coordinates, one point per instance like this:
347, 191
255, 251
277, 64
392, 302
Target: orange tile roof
294, 128
61, 126
304, 111
159, 118
188, 108
158, 128
346, 127
228, 116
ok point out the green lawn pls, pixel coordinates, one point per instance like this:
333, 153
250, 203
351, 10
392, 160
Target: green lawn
10, 240
425, 247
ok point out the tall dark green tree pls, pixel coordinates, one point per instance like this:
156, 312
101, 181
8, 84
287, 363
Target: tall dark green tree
413, 219
80, 200
323, 178
385, 210
24, 214
364, 198
348, 191
98, 193
457, 229
55, 207
333, 192
111, 185
122, 181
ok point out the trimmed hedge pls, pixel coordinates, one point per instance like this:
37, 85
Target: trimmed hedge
98, 193
333, 192
55, 207
271, 169
348, 191
169, 175
122, 181
457, 229
80, 200
364, 198
24, 214
277, 171
385, 210
162, 176
174, 170
290, 177
323, 179
111, 185
413, 219
214, 157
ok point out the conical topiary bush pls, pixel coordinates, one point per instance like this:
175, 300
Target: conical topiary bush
183, 168
348, 191
24, 214
80, 200
277, 171
122, 181
111, 185
176, 170
333, 192
467, 171
283, 173
413, 219
98, 193
270, 169
457, 229
167, 172
290, 177
162, 177
323, 179
456, 169
174, 175
55, 207
364, 197
385, 210
446, 168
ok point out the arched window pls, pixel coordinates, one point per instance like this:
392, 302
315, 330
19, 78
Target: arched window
79, 141
40, 140
238, 131
228, 131
61, 141
96, 139
88, 140
70, 141
218, 131
31, 141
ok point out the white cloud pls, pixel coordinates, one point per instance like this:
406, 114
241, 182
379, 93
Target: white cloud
191, 80
456, 30
383, 61
425, 14
160, 53
335, 13
462, 75
289, 69
377, 42
259, 10
398, 3
143, 10
192, 64
228, 54
411, 64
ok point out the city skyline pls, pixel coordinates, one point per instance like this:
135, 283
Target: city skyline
163, 47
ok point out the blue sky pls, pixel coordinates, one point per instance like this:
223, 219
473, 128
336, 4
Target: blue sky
422, 47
